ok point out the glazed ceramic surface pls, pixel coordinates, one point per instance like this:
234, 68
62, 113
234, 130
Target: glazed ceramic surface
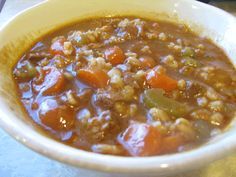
25, 28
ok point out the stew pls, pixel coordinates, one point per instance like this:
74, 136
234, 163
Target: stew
127, 86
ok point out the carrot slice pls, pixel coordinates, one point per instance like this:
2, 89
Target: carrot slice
147, 62
114, 55
53, 81
94, 78
55, 116
141, 139
156, 80
57, 47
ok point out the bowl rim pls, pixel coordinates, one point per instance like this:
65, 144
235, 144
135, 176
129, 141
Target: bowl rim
109, 163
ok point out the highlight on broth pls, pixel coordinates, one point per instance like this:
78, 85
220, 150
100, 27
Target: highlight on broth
127, 86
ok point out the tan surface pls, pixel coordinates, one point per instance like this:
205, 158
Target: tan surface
18, 161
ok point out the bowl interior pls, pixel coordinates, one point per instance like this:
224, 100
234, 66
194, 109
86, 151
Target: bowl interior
19, 34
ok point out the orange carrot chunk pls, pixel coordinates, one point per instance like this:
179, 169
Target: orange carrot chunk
94, 78
55, 116
156, 80
141, 139
114, 55
52, 81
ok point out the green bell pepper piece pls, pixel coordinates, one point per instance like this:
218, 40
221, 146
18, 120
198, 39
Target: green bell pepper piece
155, 98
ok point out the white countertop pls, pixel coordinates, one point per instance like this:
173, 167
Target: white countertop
19, 161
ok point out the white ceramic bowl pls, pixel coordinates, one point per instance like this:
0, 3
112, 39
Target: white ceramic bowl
17, 35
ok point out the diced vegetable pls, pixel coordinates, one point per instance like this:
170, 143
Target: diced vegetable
94, 78
156, 80
57, 47
141, 139
147, 62
31, 70
54, 116
114, 55
53, 81
25, 71
155, 98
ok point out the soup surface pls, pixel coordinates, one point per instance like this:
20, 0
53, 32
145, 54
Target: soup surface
127, 86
